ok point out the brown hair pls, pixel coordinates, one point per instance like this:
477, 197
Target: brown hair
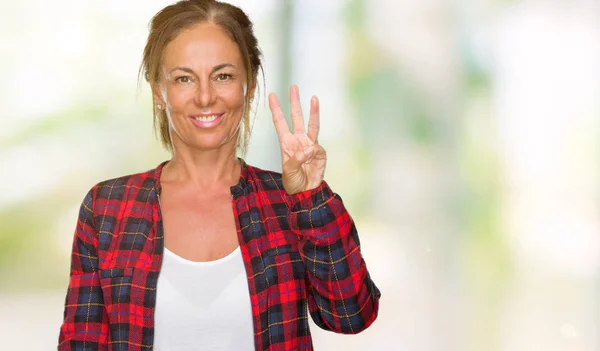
174, 19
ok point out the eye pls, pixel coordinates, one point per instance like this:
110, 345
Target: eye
183, 79
223, 76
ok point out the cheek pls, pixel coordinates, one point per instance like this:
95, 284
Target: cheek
233, 96
178, 97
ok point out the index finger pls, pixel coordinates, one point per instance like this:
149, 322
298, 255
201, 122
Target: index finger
281, 124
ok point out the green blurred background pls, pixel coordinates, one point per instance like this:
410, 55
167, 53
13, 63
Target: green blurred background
464, 137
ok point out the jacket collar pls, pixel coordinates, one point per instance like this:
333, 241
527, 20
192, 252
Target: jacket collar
236, 190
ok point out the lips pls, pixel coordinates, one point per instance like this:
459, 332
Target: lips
208, 120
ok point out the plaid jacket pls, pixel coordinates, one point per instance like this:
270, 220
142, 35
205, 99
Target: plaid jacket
298, 250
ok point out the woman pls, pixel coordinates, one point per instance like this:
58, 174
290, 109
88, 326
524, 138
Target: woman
205, 251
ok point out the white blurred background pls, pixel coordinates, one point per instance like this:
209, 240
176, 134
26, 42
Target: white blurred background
464, 137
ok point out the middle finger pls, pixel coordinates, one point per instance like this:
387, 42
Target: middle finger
296, 110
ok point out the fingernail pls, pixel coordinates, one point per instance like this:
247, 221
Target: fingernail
309, 150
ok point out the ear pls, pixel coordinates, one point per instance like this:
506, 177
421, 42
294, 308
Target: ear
252, 89
157, 96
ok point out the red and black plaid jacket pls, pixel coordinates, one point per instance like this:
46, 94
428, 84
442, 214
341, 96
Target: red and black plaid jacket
298, 250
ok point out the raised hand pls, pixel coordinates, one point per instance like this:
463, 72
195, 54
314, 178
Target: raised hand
303, 159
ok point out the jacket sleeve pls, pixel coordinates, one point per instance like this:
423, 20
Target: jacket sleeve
341, 295
85, 324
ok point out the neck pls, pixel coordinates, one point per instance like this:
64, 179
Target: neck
203, 169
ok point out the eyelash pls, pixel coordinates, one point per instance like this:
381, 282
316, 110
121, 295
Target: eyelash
219, 77
178, 79
224, 75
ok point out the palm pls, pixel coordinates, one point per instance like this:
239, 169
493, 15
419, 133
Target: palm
303, 159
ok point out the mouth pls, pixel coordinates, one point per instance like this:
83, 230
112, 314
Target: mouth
207, 121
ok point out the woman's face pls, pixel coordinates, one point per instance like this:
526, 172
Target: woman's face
202, 87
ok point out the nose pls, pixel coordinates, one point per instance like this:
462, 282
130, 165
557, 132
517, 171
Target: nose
205, 94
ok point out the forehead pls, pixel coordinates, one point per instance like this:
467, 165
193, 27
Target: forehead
202, 46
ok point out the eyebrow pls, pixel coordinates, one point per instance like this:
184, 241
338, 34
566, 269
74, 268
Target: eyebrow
190, 71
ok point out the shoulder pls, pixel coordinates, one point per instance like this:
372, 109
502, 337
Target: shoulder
266, 179
137, 186
262, 173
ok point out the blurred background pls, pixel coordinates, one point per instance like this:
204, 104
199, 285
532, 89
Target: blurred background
464, 137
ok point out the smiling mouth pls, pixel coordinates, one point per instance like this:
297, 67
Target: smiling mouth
206, 118
207, 121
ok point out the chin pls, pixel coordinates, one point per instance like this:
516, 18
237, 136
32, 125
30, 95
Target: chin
210, 142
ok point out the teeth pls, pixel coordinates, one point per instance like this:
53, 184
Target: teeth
207, 118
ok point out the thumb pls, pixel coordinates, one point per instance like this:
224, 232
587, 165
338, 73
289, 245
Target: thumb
294, 163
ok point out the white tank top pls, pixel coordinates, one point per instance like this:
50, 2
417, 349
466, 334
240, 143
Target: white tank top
203, 305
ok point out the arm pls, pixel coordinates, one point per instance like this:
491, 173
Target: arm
85, 324
341, 295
